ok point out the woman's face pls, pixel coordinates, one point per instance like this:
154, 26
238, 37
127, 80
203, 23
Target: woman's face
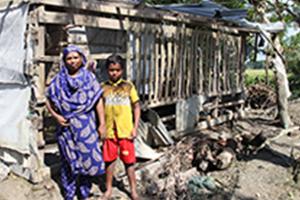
73, 62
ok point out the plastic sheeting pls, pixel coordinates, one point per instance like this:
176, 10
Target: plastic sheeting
208, 9
12, 44
18, 148
14, 90
14, 127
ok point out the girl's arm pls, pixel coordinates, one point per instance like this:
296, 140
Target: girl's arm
137, 116
101, 117
60, 119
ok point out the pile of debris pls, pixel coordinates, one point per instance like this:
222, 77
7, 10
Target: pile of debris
260, 96
183, 169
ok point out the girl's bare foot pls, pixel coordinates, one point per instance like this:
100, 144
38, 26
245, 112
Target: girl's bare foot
135, 196
106, 195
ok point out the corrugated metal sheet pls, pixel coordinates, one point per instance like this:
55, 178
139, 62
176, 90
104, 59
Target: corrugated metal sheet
207, 9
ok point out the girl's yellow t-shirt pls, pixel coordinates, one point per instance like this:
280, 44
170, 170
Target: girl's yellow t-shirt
118, 100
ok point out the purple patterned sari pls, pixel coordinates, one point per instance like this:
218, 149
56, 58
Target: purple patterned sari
75, 99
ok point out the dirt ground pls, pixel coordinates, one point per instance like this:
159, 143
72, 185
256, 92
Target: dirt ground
263, 174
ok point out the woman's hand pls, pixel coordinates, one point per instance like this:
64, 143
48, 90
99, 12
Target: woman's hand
62, 121
59, 118
102, 131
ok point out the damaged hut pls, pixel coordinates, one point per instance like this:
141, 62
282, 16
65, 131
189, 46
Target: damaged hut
187, 63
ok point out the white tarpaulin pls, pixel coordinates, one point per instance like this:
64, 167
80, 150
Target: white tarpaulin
14, 126
14, 89
12, 44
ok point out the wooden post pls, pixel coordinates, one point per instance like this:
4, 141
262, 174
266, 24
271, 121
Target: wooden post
190, 63
128, 50
227, 64
215, 40
138, 58
151, 61
180, 61
162, 83
177, 60
184, 63
38, 78
156, 63
283, 91
168, 71
282, 87
239, 63
242, 60
209, 64
201, 65
144, 67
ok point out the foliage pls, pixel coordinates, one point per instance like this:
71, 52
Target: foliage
258, 76
292, 55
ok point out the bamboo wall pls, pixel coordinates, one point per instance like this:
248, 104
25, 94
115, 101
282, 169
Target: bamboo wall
168, 63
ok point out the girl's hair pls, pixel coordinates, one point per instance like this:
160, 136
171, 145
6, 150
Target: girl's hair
114, 59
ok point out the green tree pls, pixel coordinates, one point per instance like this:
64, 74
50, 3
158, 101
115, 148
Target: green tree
292, 54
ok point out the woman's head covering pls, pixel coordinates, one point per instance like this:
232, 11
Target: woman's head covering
73, 48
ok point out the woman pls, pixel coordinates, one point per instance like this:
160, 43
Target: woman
72, 97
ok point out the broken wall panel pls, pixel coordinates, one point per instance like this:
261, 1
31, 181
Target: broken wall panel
54, 35
106, 41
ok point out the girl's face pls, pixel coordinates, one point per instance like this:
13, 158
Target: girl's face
115, 72
73, 62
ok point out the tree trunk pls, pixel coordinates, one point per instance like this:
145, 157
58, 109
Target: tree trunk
276, 58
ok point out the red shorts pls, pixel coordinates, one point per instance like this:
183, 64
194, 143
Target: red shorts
113, 147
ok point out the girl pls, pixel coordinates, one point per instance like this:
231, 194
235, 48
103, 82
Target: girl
72, 97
